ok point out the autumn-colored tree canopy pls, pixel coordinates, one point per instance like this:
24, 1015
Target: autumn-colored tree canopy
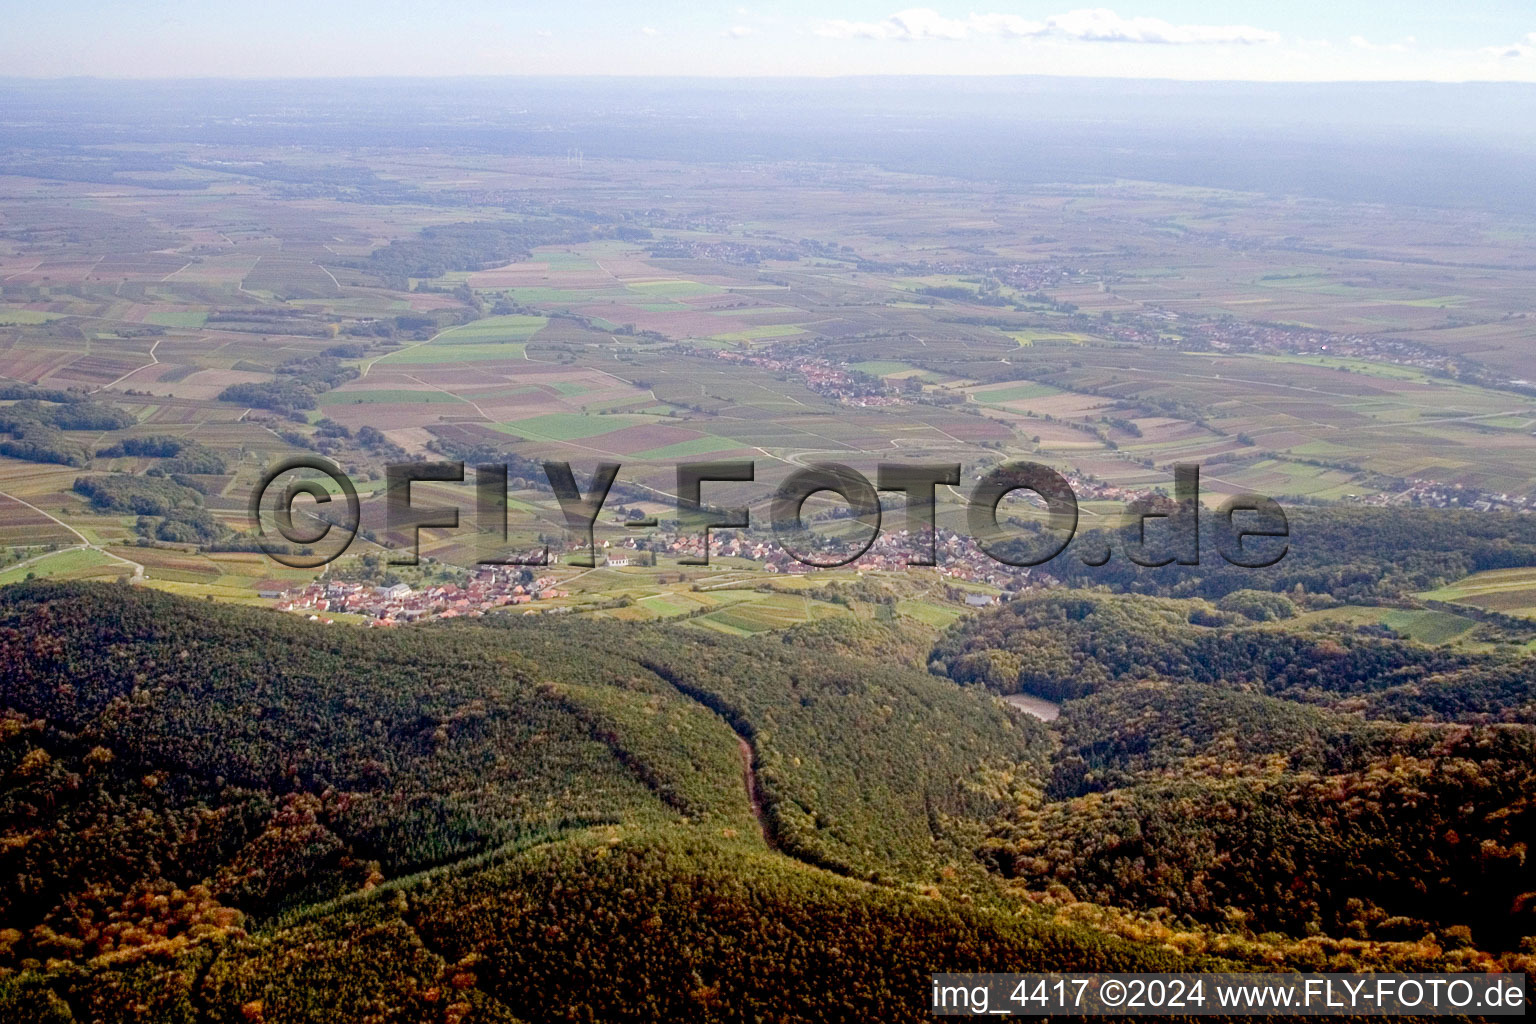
222, 814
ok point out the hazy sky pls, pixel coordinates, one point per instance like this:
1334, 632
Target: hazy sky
1194, 39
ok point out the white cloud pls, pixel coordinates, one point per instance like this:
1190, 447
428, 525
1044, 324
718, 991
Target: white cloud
917, 23
1098, 25
648, 31
1009, 25
1105, 26
737, 32
1362, 43
1518, 51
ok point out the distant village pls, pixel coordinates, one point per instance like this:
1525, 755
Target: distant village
957, 556
488, 587
822, 376
1417, 493
495, 587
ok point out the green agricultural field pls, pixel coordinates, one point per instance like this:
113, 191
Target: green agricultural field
686, 449
912, 284
497, 328
494, 338
1030, 338
220, 590
1015, 394
569, 426
389, 396
179, 318
25, 317
673, 289
541, 296
1424, 625
762, 333
768, 612
451, 352
756, 310
669, 604
928, 612
1511, 591
67, 565
565, 260
1277, 477
881, 367
1317, 282
1389, 370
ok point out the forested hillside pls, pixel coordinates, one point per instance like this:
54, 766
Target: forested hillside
1069, 644
1347, 553
180, 775
222, 814
1311, 780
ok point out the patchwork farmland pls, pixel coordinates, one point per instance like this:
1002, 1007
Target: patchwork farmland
845, 324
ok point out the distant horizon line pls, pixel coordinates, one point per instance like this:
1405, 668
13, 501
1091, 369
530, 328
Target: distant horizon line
756, 78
